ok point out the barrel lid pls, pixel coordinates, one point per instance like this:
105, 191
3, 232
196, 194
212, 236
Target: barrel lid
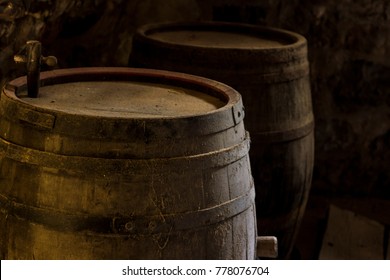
221, 35
122, 99
218, 39
122, 112
127, 93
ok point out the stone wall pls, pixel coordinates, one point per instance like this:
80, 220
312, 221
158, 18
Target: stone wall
81, 33
349, 52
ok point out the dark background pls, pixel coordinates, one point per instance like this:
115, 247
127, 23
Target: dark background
349, 54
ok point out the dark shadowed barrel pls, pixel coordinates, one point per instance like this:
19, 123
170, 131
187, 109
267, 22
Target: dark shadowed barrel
269, 68
121, 163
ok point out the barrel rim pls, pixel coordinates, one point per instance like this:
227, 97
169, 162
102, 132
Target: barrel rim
298, 40
83, 74
54, 130
228, 116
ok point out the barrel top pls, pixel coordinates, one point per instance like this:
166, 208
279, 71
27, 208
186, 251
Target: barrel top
123, 99
122, 112
217, 39
221, 35
127, 93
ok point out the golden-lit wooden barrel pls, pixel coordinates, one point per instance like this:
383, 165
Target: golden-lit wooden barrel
121, 163
270, 69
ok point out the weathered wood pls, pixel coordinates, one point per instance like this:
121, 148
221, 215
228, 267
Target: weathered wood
269, 67
309, 240
350, 236
267, 246
84, 177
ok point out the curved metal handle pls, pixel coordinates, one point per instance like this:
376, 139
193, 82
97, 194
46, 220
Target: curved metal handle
34, 59
34, 53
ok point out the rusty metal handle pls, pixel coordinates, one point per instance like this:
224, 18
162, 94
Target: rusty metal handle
34, 59
34, 53
267, 246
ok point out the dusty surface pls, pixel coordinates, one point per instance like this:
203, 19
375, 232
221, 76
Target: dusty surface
124, 99
217, 39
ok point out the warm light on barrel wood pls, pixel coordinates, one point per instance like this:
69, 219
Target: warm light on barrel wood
122, 163
124, 99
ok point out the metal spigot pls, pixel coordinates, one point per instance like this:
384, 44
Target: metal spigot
34, 59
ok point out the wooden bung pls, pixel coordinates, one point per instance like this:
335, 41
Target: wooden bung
267, 246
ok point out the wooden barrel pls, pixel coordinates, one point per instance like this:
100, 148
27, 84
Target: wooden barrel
121, 163
269, 68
